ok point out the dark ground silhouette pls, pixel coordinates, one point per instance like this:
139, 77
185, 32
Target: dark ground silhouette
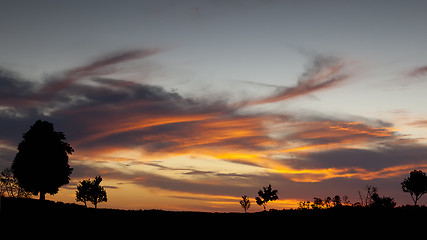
313, 222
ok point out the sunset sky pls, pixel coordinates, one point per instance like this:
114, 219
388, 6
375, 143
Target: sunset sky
188, 105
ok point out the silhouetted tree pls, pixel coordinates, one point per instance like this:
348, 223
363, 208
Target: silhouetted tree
83, 191
327, 202
345, 200
97, 193
7, 182
336, 201
304, 205
9, 185
245, 203
92, 191
415, 184
41, 164
317, 204
370, 190
266, 195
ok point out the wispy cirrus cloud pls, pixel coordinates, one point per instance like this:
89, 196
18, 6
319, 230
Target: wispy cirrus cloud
419, 123
418, 72
102, 66
322, 73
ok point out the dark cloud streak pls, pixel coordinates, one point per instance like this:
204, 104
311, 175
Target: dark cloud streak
418, 72
324, 72
368, 159
96, 68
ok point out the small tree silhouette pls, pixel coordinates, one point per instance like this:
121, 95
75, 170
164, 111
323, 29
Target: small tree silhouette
304, 205
97, 193
83, 191
266, 195
337, 201
41, 164
245, 203
318, 203
415, 184
370, 191
92, 191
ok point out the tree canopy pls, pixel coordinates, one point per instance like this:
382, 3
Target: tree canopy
245, 203
92, 191
266, 195
41, 164
415, 184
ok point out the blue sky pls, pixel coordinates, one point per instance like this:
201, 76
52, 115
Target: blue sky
286, 88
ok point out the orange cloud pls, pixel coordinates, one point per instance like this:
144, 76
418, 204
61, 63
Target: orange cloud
140, 122
334, 134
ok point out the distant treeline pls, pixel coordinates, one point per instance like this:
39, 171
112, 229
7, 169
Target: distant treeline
415, 185
370, 198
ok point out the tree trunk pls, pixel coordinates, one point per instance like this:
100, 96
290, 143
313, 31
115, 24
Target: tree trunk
42, 196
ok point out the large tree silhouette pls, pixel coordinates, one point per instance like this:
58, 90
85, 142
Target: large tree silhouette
41, 164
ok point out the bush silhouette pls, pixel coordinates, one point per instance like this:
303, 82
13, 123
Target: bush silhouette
41, 164
382, 202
